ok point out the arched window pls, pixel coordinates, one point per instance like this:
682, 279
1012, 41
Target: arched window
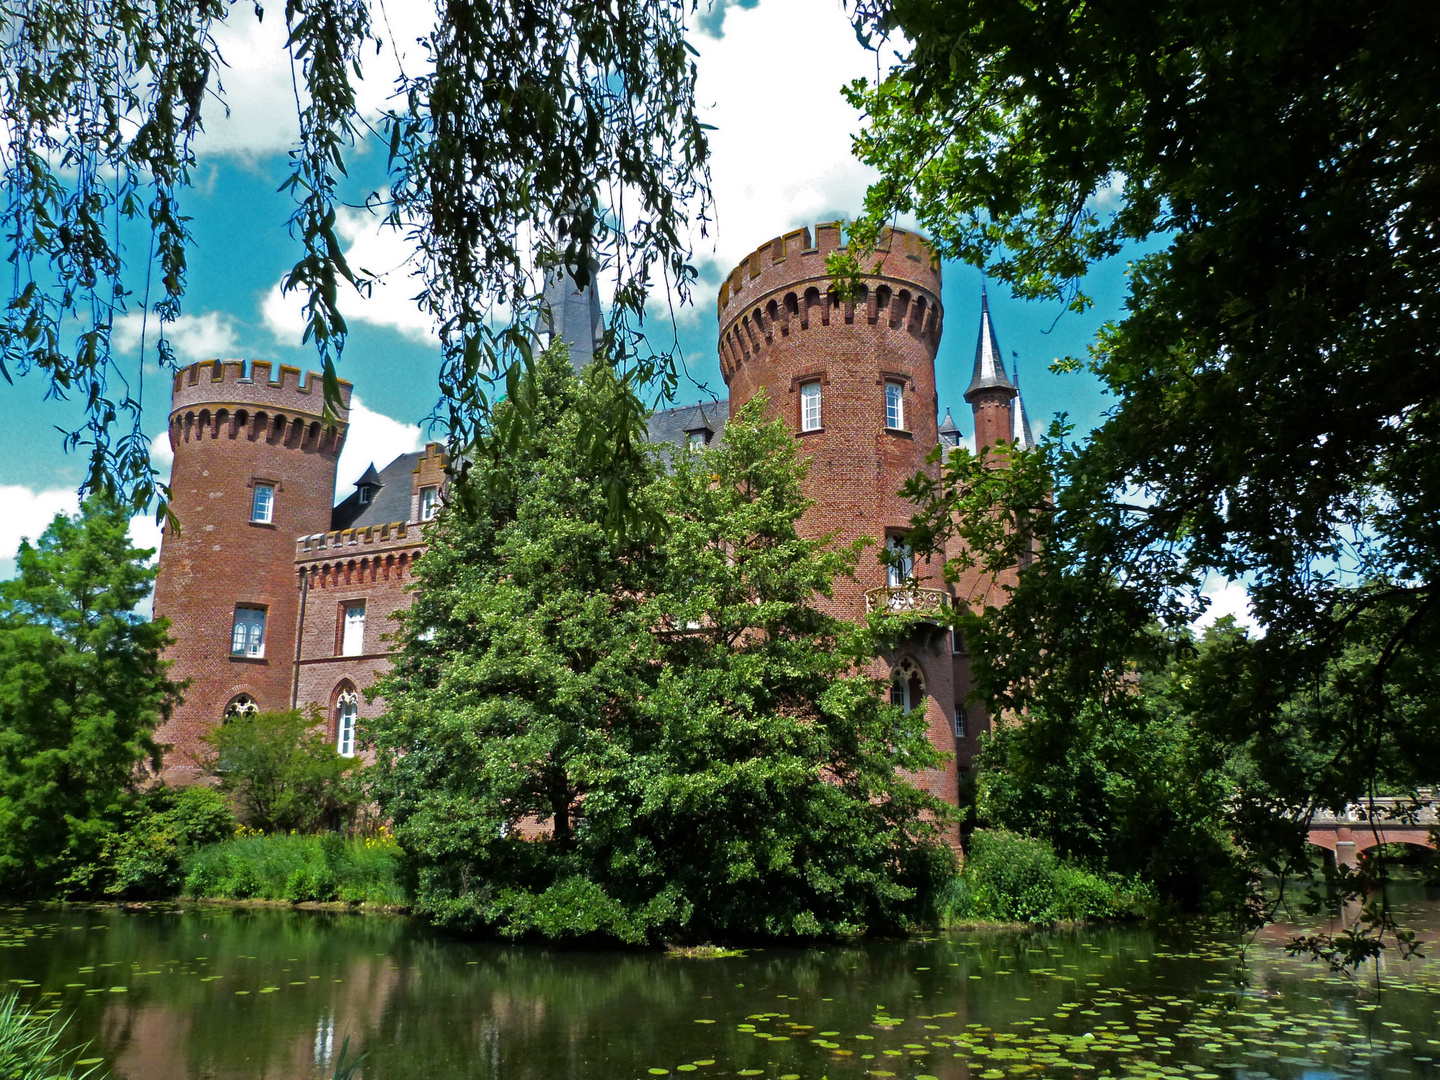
907, 686
347, 720
241, 705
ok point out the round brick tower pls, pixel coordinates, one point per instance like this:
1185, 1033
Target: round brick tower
254, 468
855, 380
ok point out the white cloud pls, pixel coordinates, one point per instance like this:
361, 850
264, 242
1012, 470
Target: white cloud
1227, 598
259, 90
384, 254
781, 149
210, 335
25, 514
373, 437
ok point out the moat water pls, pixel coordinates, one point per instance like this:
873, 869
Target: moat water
225, 993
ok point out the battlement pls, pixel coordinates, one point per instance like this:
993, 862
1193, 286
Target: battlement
783, 286
226, 383
342, 541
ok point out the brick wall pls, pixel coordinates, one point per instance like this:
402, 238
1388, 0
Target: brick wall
229, 432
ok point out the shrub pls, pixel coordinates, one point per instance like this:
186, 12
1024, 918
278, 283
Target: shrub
284, 775
297, 868
147, 858
1014, 878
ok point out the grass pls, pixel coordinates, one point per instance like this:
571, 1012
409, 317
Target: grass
28, 1046
330, 867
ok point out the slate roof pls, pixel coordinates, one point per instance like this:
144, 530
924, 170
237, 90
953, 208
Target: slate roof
1020, 436
390, 503
572, 314
949, 431
989, 365
674, 425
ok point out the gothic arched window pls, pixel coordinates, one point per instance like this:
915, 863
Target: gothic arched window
907, 686
241, 705
347, 720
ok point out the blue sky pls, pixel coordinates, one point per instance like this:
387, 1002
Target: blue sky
781, 160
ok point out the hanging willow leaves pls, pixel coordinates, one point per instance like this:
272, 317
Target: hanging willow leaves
539, 135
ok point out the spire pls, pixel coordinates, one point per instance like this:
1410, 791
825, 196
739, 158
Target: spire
989, 367
571, 314
1020, 436
370, 478
949, 433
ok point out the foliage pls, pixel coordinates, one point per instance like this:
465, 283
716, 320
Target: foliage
82, 687
283, 773
671, 710
146, 858
1010, 878
557, 129
1274, 422
284, 866
1139, 786
29, 1045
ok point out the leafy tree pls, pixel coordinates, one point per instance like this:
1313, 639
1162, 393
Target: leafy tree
146, 857
668, 709
1274, 422
283, 774
82, 687
561, 129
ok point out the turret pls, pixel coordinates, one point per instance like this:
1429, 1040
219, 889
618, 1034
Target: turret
990, 390
949, 432
254, 467
854, 378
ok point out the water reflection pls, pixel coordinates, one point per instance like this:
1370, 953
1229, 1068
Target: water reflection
258, 993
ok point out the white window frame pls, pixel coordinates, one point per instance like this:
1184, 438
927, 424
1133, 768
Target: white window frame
347, 722
265, 515
352, 628
365, 495
811, 406
959, 721
899, 575
895, 406
247, 632
430, 506
697, 440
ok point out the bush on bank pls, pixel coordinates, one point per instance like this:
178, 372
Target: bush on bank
1011, 878
285, 866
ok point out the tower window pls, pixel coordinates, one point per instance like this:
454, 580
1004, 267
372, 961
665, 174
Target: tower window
262, 504
347, 721
907, 686
352, 639
895, 406
247, 637
959, 721
901, 569
810, 407
429, 503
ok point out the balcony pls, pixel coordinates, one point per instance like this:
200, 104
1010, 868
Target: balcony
905, 600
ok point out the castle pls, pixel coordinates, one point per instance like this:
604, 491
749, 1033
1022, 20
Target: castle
279, 597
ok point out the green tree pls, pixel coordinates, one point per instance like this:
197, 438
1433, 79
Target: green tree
283, 774
1273, 420
685, 727
512, 140
82, 688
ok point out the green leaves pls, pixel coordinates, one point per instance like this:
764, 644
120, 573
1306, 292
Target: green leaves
82, 688
693, 741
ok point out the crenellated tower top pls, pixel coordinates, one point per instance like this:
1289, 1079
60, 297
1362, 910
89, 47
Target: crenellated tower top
783, 287
226, 382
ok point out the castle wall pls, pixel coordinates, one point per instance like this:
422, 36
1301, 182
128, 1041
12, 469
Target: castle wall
230, 431
373, 565
781, 327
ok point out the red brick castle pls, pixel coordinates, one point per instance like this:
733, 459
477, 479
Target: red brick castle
280, 597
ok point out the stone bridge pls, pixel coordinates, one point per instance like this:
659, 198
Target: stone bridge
1364, 825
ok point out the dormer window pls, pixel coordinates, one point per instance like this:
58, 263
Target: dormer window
367, 486
698, 439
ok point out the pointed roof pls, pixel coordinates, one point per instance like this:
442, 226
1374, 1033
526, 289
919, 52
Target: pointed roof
949, 432
989, 366
1020, 436
571, 314
370, 478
